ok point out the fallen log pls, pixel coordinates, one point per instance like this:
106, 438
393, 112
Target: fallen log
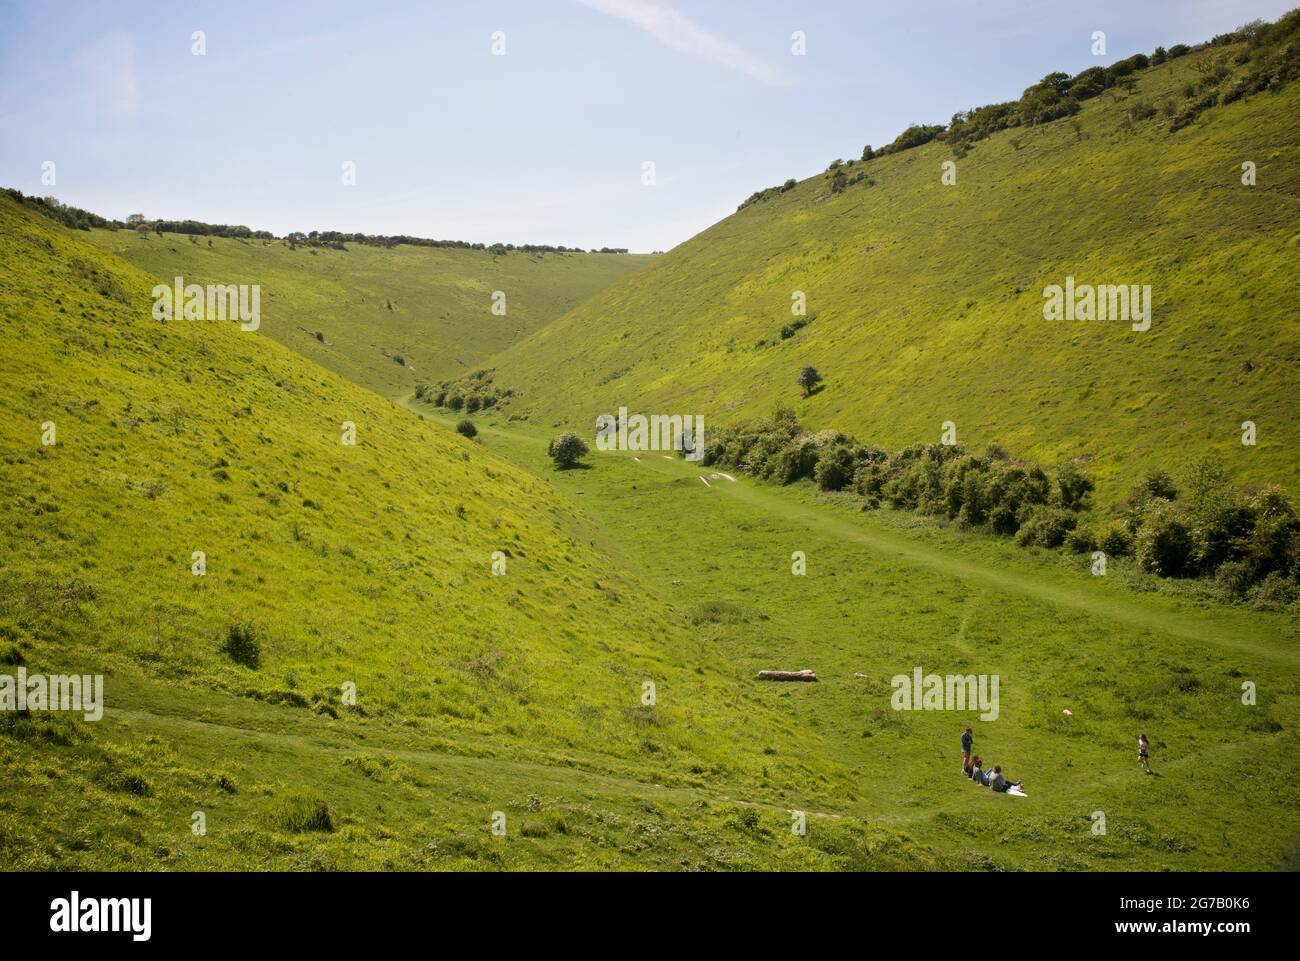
804, 675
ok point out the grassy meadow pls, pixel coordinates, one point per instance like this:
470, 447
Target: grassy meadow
886, 591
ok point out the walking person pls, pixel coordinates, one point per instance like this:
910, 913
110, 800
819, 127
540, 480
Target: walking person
1144, 753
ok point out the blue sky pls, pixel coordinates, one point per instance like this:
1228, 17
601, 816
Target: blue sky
545, 144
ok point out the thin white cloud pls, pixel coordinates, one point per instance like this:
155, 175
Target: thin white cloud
684, 35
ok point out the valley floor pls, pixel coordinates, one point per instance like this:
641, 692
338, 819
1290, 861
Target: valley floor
885, 593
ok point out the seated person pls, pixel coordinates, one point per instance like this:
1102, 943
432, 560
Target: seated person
998, 782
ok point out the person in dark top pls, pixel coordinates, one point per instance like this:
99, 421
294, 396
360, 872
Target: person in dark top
967, 740
976, 772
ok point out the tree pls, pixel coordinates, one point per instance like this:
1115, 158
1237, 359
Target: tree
1074, 487
566, 449
466, 428
808, 379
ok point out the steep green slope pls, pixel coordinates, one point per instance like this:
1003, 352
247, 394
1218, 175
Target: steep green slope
389, 317
926, 300
329, 565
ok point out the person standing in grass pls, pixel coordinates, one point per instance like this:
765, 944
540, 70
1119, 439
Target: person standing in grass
967, 740
1144, 748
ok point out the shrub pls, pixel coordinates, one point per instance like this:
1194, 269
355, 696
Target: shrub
808, 379
1156, 484
473, 403
466, 428
834, 469
796, 461
1234, 579
1081, 540
1274, 592
1003, 520
1164, 541
1073, 487
1115, 540
566, 449
455, 402
1046, 527
1273, 546
242, 646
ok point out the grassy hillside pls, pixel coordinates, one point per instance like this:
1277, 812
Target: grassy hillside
884, 592
329, 564
925, 301
522, 693
390, 317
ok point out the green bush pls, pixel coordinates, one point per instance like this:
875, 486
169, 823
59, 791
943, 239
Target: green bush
1156, 484
1081, 540
1234, 579
796, 461
1115, 540
834, 469
242, 646
1164, 541
466, 428
1002, 519
1046, 527
1274, 593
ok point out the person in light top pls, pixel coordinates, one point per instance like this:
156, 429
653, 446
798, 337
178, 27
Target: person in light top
1000, 783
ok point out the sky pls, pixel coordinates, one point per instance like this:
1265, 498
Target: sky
519, 121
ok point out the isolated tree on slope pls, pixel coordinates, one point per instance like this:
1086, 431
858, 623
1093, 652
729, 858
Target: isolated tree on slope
566, 449
808, 379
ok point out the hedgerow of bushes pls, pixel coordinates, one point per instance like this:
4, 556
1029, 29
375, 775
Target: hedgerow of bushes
471, 393
1248, 542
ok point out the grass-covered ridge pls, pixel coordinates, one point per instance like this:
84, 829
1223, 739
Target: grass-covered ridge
389, 317
329, 564
926, 300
